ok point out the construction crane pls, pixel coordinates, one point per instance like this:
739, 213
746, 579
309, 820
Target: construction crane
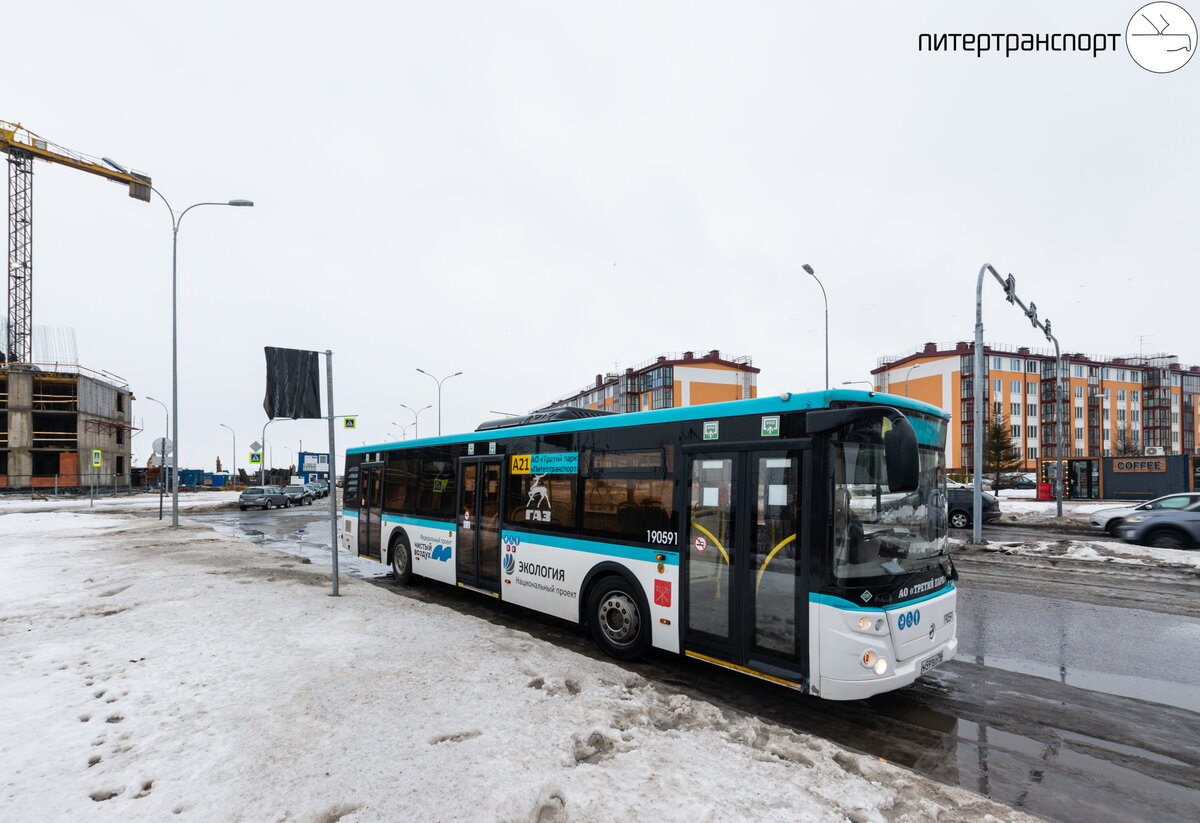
22, 146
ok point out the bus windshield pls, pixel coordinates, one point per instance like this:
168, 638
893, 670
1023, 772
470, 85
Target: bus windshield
877, 532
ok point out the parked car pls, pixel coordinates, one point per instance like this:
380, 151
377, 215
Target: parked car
299, 494
263, 497
960, 507
315, 489
1015, 481
320, 487
1110, 518
1163, 528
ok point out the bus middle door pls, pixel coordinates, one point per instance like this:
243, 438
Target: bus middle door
477, 547
745, 600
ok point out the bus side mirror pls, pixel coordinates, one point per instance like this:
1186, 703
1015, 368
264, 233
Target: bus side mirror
902, 456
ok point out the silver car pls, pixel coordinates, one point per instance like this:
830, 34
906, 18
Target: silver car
1163, 528
1110, 519
263, 497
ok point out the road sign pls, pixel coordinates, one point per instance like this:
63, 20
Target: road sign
256, 457
163, 445
97, 457
256, 446
350, 423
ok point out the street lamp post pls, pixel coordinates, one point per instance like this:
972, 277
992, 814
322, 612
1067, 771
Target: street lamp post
162, 458
809, 269
404, 427
175, 221
439, 385
908, 374
263, 474
416, 413
852, 382
233, 471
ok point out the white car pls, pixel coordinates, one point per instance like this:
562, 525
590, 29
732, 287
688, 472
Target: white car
1110, 519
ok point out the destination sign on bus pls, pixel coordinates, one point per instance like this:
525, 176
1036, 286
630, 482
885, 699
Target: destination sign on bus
559, 463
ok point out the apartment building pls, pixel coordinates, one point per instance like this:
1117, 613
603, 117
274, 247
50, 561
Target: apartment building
668, 381
1113, 405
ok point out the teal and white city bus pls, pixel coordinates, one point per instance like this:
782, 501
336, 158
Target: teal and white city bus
799, 538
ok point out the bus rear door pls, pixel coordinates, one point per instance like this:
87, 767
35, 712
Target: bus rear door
370, 489
746, 602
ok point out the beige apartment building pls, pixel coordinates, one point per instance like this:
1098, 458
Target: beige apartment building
669, 381
1131, 404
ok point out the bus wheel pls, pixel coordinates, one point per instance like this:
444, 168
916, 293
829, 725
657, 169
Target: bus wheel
618, 618
401, 562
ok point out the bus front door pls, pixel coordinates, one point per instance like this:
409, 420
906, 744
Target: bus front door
477, 547
370, 487
746, 603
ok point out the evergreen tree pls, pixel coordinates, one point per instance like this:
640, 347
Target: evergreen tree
1000, 455
1126, 444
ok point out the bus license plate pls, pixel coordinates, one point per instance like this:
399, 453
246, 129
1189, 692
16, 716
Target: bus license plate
928, 664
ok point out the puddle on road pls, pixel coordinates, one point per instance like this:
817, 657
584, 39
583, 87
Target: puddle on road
1119, 651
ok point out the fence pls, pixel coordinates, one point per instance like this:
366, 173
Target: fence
69, 484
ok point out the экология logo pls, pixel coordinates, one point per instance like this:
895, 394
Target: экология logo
1161, 37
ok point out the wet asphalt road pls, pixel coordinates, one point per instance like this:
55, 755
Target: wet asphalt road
1075, 695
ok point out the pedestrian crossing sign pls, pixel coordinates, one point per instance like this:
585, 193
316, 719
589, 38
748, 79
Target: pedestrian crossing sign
351, 423
256, 457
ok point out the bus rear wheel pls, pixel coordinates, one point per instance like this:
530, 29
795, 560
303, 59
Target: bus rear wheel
401, 562
619, 618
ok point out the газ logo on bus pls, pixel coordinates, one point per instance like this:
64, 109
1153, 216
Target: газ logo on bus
510, 564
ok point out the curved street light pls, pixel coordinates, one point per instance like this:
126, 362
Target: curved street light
233, 472
176, 219
809, 269
439, 385
416, 413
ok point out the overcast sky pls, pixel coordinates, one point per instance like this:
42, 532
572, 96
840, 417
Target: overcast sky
533, 193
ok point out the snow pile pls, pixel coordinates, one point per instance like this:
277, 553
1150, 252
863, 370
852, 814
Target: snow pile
1098, 551
152, 673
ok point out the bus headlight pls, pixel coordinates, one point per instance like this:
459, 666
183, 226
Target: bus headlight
881, 666
870, 624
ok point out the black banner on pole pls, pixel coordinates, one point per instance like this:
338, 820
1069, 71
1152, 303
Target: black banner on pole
293, 384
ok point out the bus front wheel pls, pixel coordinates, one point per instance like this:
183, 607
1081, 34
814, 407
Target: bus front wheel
619, 618
401, 562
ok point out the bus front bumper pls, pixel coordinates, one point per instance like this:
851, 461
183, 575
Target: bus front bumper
902, 674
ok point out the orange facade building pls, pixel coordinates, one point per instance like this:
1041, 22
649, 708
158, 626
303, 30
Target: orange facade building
669, 381
1132, 404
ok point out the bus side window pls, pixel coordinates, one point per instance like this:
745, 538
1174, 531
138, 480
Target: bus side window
542, 501
627, 496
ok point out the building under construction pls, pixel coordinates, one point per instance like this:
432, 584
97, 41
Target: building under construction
57, 423
61, 426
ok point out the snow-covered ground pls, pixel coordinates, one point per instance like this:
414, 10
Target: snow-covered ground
154, 673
